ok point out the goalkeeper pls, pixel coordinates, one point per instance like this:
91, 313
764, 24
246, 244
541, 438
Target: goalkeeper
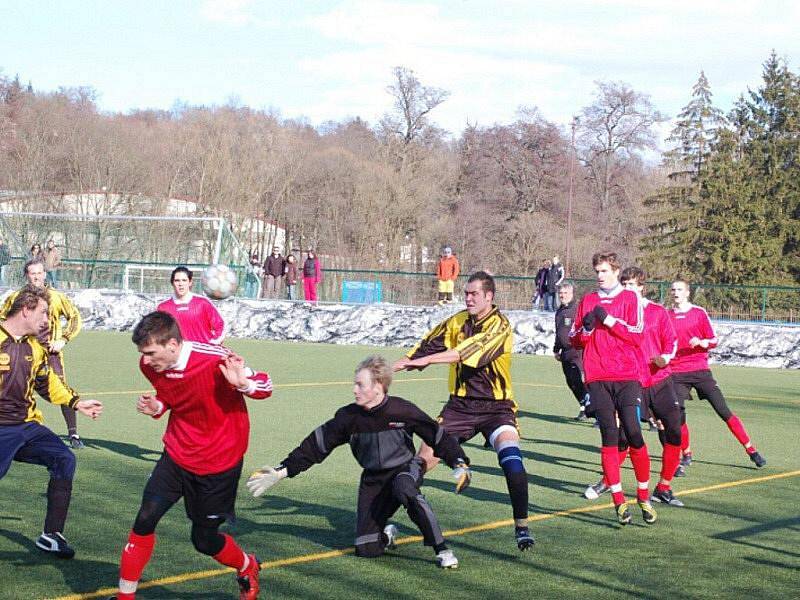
379, 429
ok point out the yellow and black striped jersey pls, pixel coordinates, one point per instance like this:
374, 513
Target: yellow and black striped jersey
61, 307
484, 346
23, 370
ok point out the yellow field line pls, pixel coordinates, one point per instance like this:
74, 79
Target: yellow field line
304, 558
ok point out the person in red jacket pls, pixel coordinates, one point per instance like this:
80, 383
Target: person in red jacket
690, 370
202, 386
608, 326
446, 273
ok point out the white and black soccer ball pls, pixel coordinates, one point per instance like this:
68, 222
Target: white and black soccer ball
219, 282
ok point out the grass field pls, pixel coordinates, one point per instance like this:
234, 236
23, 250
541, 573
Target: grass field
739, 535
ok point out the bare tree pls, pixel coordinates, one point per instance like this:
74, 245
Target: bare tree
413, 102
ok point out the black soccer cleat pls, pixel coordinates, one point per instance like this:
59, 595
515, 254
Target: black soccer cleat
665, 497
623, 514
76, 442
524, 538
56, 544
680, 471
648, 512
581, 415
686, 459
758, 459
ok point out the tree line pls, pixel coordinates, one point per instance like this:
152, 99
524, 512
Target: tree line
723, 204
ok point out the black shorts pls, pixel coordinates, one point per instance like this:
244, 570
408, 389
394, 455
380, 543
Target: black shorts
661, 402
702, 381
464, 418
610, 397
209, 499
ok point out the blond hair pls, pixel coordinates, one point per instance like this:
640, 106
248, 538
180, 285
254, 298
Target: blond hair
379, 370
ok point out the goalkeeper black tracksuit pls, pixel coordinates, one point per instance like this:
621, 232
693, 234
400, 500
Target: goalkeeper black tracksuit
381, 441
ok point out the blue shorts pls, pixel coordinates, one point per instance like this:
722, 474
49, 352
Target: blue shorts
34, 443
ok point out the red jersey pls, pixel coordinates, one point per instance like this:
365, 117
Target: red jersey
690, 322
611, 349
208, 429
198, 319
659, 340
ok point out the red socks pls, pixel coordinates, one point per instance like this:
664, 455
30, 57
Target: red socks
684, 436
670, 457
609, 458
231, 554
135, 557
641, 468
737, 429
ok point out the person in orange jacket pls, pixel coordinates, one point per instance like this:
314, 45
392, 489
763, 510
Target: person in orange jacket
447, 273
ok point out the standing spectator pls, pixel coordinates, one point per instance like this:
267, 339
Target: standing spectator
571, 359
52, 261
36, 252
252, 276
291, 277
274, 269
5, 259
447, 273
312, 275
540, 285
555, 275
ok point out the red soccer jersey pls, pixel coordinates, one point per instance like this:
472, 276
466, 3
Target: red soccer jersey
692, 322
659, 340
208, 428
610, 353
198, 319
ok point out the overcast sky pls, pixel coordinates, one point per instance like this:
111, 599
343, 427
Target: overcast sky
330, 60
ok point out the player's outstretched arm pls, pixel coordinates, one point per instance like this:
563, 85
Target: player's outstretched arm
149, 405
254, 385
265, 478
90, 408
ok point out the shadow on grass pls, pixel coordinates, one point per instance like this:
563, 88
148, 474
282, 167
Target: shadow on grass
739, 536
124, 449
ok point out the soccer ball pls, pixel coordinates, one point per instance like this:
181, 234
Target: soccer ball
219, 282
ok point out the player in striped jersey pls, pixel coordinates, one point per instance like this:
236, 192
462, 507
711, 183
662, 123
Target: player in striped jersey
477, 344
690, 369
202, 387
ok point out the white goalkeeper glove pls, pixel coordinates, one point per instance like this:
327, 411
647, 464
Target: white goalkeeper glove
264, 478
463, 476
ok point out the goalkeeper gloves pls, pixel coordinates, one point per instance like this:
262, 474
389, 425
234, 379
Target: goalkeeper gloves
462, 475
264, 478
588, 321
600, 313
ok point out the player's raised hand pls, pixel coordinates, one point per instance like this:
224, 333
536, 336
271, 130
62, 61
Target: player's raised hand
148, 404
401, 364
264, 478
463, 476
234, 370
90, 408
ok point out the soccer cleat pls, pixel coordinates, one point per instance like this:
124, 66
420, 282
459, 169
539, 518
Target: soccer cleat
758, 459
524, 538
648, 512
686, 459
581, 415
593, 492
390, 531
76, 442
596, 424
55, 543
623, 514
248, 579
680, 471
446, 560
665, 497
653, 425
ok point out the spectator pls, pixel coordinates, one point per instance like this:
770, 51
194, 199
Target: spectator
291, 277
274, 269
52, 261
251, 278
540, 285
5, 259
312, 275
555, 275
36, 252
447, 273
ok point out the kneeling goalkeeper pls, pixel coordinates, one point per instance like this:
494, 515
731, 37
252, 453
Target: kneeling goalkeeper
379, 429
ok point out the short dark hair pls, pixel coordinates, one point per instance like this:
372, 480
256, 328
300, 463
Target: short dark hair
180, 269
636, 273
156, 328
28, 297
487, 281
30, 263
683, 280
608, 257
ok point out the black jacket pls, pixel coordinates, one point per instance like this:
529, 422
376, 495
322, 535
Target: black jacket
565, 315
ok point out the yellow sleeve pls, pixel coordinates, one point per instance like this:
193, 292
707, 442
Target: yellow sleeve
73, 317
7, 305
435, 341
484, 347
49, 385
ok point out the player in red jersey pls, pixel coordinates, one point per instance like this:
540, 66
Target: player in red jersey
203, 388
608, 326
690, 368
197, 317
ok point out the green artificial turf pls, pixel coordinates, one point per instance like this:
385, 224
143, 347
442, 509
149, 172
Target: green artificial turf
737, 541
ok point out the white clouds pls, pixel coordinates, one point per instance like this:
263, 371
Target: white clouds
228, 12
